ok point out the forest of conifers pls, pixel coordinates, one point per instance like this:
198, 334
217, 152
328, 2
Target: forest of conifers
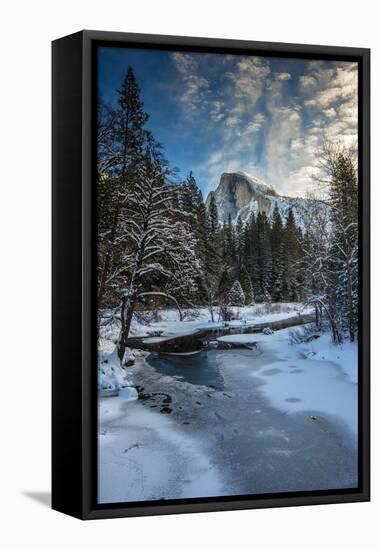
159, 245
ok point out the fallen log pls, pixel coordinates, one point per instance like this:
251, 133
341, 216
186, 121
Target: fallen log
195, 341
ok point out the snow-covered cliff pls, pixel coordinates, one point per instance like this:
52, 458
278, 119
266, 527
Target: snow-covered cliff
239, 194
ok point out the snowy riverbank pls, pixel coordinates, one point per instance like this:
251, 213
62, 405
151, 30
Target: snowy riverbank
231, 421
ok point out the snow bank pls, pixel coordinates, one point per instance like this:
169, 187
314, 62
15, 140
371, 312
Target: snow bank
112, 376
142, 456
318, 376
344, 355
254, 338
310, 385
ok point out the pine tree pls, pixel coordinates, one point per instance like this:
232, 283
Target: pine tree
264, 259
239, 246
343, 200
212, 260
251, 252
236, 296
276, 237
247, 287
330, 245
213, 215
225, 282
291, 255
121, 152
230, 244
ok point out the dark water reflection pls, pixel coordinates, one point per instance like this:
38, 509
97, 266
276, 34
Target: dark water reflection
201, 369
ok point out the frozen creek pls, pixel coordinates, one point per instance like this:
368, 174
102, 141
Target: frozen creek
230, 422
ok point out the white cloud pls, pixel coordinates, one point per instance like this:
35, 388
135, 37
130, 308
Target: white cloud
196, 86
255, 125
282, 76
334, 100
252, 108
330, 113
232, 121
249, 78
329, 103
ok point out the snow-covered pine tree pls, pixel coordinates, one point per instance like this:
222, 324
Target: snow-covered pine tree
212, 260
264, 259
291, 257
239, 245
247, 287
156, 245
192, 204
236, 296
315, 245
230, 244
343, 201
122, 137
335, 245
251, 251
213, 215
276, 237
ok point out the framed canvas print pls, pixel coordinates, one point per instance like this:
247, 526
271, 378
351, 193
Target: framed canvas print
210, 274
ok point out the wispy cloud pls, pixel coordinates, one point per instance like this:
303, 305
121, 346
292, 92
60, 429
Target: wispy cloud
269, 117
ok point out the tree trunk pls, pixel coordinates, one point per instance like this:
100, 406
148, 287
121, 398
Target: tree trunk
127, 310
210, 306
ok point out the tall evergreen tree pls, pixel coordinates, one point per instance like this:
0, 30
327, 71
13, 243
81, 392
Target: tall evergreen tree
230, 244
247, 287
291, 256
239, 241
122, 155
264, 259
251, 252
343, 200
212, 256
236, 296
276, 238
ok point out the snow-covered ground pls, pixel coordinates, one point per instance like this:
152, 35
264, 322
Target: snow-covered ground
320, 349
276, 417
317, 375
145, 456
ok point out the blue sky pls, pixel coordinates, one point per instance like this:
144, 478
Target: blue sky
216, 113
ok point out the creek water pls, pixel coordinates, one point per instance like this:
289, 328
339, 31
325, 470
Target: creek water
201, 369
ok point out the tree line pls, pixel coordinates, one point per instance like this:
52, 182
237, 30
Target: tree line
158, 243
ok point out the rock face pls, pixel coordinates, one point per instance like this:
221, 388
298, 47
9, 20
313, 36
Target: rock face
239, 194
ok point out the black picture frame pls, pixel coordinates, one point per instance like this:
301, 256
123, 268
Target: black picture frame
74, 404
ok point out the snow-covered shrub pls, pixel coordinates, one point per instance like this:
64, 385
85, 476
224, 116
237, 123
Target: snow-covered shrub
267, 331
111, 376
303, 335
